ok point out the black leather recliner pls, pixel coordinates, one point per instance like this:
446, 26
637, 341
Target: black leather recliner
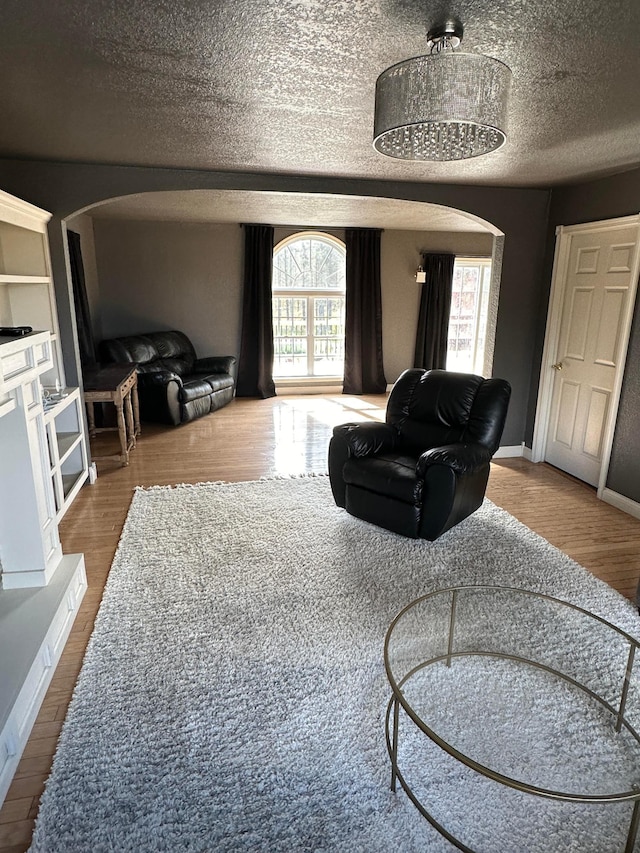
426, 468
174, 386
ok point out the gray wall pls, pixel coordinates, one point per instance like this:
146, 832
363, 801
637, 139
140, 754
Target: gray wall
66, 189
170, 275
607, 198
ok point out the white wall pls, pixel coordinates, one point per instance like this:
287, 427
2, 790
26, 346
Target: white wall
164, 275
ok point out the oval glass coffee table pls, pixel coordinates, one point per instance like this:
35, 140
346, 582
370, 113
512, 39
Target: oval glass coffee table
515, 691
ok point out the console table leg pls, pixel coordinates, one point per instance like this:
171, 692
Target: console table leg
91, 419
136, 409
122, 432
128, 412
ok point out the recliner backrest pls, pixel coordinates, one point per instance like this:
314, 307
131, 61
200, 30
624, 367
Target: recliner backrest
171, 350
432, 408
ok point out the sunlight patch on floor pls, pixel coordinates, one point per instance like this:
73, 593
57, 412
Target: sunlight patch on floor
304, 424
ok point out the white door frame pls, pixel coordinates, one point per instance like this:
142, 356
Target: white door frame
552, 336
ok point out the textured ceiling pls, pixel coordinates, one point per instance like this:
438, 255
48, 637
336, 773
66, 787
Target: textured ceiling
317, 210
287, 86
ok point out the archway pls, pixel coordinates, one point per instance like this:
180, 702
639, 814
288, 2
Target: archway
412, 226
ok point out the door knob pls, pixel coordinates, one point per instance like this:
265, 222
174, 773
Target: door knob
557, 365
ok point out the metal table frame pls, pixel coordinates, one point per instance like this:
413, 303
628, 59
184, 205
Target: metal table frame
398, 700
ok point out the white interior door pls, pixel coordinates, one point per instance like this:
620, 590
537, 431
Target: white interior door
597, 288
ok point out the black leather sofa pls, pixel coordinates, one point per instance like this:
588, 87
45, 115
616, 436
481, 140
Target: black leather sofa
174, 386
426, 468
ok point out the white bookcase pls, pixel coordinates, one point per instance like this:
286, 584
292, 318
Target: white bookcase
26, 287
43, 464
27, 298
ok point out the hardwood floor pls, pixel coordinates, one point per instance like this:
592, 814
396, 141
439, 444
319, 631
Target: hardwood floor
249, 439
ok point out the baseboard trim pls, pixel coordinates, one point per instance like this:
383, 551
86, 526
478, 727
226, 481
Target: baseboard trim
510, 451
621, 502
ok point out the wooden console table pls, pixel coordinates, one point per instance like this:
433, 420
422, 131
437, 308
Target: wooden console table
117, 384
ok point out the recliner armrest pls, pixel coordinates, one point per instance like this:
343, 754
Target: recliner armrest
461, 458
367, 438
216, 364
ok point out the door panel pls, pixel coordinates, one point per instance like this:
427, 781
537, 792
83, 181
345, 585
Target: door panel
621, 257
596, 420
567, 410
587, 259
609, 326
594, 311
578, 322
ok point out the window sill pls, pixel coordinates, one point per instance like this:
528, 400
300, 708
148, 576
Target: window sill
309, 385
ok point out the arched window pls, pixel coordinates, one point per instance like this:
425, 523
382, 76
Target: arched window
308, 306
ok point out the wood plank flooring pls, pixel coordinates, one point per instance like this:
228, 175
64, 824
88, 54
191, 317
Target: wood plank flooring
249, 439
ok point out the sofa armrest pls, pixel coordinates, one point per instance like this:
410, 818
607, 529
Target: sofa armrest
367, 438
157, 378
159, 393
461, 458
216, 364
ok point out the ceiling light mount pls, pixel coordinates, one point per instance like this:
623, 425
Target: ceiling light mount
447, 34
447, 105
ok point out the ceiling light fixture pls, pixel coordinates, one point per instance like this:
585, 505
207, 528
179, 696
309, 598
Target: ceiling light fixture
446, 105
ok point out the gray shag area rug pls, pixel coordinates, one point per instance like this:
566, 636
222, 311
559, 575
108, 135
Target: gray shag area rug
233, 694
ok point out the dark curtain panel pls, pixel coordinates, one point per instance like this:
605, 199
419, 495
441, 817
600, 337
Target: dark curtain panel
435, 305
363, 370
255, 368
86, 343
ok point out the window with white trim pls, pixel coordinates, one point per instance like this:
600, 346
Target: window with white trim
308, 306
468, 315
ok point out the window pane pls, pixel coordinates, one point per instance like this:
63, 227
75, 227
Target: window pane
328, 347
328, 316
468, 316
310, 262
289, 316
290, 357
289, 336
328, 357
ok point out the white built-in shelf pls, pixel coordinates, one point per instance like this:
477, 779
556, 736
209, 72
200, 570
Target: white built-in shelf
7, 406
34, 626
67, 450
24, 279
27, 295
43, 464
67, 441
71, 483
